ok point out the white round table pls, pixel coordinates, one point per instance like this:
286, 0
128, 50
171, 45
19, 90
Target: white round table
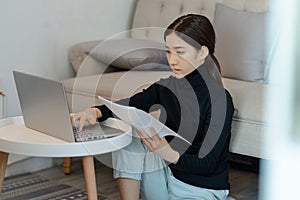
17, 139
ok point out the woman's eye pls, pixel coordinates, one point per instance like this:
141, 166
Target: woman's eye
167, 51
180, 52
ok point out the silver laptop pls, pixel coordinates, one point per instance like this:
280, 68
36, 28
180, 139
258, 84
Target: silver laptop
45, 109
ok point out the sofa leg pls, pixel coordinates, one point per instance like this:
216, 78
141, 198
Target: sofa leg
67, 165
248, 163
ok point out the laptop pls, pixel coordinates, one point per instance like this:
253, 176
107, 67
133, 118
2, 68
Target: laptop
45, 109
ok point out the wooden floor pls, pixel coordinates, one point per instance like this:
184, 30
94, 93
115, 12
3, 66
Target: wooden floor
244, 184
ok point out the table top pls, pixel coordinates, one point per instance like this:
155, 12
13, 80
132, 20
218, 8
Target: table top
16, 138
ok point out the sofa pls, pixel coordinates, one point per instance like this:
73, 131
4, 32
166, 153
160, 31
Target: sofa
241, 49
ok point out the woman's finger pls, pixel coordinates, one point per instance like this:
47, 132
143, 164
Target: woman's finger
91, 121
144, 137
155, 136
73, 120
82, 119
141, 133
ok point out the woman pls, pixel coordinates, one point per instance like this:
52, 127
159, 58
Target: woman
195, 105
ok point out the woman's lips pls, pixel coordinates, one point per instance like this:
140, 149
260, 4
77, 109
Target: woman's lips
176, 70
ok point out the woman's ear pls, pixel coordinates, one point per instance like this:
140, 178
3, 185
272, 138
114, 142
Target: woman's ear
203, 52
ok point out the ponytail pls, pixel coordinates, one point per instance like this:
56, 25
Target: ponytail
213, 69
212, 55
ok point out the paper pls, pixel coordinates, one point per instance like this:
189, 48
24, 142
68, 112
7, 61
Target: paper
139, 119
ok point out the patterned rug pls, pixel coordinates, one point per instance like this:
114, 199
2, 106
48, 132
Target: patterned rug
35, 187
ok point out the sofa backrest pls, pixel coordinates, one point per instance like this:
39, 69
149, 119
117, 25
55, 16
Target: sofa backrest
240, 26
160, 13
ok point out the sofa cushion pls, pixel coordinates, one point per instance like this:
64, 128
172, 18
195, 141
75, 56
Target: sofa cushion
247, 97
77, 54
115, 85
240, 43
130, 53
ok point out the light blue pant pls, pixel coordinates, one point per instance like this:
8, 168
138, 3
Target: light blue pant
157, 181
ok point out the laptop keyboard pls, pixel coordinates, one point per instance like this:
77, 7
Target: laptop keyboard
95, 132
87, 133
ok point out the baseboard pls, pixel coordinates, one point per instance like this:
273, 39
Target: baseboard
31, 164
13, 158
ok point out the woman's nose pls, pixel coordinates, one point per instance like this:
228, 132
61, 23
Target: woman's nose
172, 59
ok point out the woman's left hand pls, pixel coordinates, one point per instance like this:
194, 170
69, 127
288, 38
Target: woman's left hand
159, 146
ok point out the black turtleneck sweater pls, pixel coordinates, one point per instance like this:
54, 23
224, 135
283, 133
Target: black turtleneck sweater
200, 110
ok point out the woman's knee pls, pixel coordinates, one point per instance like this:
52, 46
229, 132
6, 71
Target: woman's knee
129, 161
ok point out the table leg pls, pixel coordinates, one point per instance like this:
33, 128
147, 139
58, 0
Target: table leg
90, 177
67, 165
3, 164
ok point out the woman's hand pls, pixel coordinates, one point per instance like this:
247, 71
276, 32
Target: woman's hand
159, 146
90, 115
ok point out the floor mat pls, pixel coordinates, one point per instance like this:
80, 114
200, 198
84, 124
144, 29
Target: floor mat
33, 187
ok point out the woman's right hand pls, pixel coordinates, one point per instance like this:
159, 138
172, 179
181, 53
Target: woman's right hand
90, 115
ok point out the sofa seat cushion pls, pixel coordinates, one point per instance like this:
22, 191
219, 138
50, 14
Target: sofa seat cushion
115, 85
248, 97
248, 123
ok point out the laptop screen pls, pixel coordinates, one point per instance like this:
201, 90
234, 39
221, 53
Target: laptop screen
44, 105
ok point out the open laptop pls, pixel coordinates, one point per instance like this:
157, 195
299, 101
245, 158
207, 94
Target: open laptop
45, 109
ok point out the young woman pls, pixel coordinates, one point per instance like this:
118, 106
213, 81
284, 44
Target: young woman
194, 104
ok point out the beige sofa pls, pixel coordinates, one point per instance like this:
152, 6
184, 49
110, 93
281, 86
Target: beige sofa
246, 86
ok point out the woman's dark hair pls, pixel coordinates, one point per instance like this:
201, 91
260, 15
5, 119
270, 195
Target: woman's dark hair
196, 30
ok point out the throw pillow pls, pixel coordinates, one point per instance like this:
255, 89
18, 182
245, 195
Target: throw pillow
240, 43
129, 53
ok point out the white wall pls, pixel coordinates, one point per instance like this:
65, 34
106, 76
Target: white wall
35, 35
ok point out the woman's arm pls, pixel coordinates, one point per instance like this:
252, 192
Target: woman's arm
194, 163
143, 100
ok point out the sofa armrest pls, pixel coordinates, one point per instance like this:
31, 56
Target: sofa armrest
77, 53
82, 63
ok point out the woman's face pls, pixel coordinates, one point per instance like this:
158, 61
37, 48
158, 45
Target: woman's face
182, 57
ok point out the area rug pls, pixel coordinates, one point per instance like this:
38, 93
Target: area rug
35, 187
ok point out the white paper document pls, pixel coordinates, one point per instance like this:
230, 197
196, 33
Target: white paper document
139, 119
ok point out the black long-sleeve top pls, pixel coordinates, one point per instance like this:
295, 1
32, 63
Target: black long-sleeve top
200, 110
